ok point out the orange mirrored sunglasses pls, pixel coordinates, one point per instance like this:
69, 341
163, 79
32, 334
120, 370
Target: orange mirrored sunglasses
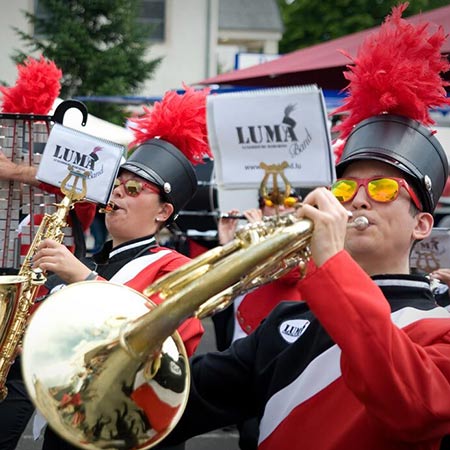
380, 189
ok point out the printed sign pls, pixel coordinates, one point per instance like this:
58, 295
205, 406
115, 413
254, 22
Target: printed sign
433, 252
70, 151
270, 126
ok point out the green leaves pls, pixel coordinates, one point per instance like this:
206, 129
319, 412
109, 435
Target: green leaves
307, 23
99, 45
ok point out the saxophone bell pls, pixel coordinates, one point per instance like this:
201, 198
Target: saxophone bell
10, 294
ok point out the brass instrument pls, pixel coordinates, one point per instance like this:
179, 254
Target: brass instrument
109, 373
17, 293
360, 222
106, 374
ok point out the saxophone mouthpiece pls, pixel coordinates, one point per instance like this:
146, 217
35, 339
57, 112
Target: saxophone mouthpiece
110, 207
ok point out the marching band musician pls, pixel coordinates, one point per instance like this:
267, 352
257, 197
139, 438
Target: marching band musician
153, 184
251, 308
248, 310
365, 361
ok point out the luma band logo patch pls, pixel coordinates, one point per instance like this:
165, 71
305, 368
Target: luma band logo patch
291, 330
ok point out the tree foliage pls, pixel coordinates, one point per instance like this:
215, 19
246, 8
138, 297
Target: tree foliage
99, 45
308, 22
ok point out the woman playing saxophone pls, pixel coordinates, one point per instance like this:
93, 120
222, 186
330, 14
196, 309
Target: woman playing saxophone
153, 184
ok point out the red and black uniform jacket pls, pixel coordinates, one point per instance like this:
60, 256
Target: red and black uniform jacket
363, 364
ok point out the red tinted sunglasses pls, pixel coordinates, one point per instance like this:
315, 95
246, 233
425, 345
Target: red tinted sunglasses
380, 189
134, 187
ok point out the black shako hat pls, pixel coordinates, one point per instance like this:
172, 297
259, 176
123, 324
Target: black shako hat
394, 81
169, 139
161, 163
405, 144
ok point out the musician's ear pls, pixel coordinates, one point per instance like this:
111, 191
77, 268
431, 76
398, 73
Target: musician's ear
424, 225
165, 212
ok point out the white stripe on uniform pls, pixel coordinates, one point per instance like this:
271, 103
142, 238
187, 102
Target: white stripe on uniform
322, 371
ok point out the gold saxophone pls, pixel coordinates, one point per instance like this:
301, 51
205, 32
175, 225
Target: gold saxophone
18, 292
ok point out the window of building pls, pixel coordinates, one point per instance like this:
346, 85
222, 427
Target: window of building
41, 13
153, 14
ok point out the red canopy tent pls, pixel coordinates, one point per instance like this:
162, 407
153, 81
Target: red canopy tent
321, 64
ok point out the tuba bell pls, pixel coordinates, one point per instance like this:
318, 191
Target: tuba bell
108, 373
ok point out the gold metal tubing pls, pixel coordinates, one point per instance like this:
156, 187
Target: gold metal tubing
164, 320
361, 222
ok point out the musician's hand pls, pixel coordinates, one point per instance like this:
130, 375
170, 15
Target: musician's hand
52, 256
226, 229
442, 275
253, 215
330, 223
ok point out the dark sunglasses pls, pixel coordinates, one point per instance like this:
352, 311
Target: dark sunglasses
134, 187
380, 189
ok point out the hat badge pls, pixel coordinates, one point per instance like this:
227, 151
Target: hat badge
427, 182
167, 187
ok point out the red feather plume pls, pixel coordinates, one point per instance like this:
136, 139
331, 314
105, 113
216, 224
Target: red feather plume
179, 119
37, 87
396, 71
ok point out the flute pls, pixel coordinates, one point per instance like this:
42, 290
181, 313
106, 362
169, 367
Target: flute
233, 216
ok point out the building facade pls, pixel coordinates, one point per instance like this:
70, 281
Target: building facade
196, 38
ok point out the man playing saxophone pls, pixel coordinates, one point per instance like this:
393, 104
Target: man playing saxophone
364, 363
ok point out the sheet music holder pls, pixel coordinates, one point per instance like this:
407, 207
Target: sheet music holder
270, 126
97, 159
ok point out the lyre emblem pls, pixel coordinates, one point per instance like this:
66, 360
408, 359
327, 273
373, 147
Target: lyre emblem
73, 193
427, 261
276, 196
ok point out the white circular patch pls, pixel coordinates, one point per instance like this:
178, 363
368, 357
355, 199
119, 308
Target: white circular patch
291, 330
